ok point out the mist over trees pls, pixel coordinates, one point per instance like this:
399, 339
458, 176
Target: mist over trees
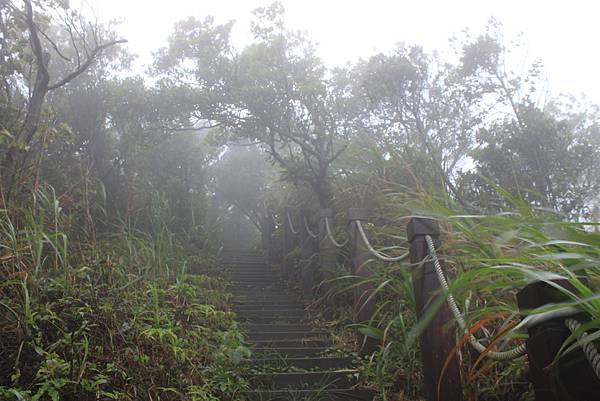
68, 112
213, 135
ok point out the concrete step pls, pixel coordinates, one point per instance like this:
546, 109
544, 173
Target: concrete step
256, 285
271, 316
284, 335
256, 280
236, 282
249, 270
286, 352
258, 317
312, 395
275, 327
266, 301
241, 299
264, 294
322, 363
260, 290
305, 380
275, 308
236, 264
272, 312
289, 343
268, 306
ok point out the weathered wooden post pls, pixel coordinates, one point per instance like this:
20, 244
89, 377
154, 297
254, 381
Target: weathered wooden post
263, 235
363, 306
306, 256
267, 237
288, 242
572, 379
327, 262
437, 341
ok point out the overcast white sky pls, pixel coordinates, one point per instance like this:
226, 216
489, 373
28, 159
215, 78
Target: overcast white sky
564, 34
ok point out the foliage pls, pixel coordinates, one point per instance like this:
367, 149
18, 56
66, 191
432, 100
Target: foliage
116, 191
488, 257
550, 160
125, 318
274, 91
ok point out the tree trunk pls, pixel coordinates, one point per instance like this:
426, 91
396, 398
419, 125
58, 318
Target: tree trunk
322, 188
15, 156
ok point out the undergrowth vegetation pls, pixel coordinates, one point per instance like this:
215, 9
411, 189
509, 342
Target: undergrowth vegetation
134, 317
489, 256
118, 188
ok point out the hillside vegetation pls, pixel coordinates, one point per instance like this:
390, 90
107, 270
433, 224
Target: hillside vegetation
118, 190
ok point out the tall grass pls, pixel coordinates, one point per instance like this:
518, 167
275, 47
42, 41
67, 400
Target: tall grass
111, 319
489, 256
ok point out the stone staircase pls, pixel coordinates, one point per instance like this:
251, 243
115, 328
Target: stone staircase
291, 359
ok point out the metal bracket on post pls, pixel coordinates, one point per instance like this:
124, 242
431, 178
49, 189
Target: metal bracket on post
437, 342
364, 308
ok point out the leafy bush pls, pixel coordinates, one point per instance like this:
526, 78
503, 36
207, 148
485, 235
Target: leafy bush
121, 324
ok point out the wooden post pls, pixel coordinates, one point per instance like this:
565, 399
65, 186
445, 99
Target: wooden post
572, 379
263, 236
306, 257
272, 254
288, 242
327, 263
363, 307
437, 342
267, 237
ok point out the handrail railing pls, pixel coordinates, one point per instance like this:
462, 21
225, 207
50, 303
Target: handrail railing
308, 230
291, 224
438, 343
379, 255
590, 351
514, 353
332, 238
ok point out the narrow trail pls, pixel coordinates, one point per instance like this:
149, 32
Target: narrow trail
292, 359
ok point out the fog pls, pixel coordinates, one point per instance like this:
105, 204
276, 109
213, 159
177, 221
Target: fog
560, 33
323, 200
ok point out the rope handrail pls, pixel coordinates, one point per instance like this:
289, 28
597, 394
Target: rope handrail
375, 252
588, 348
310, 233
292, 229
330, 235
511, 354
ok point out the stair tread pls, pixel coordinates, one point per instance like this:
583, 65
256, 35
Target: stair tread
331, 394
323, 363
274, 321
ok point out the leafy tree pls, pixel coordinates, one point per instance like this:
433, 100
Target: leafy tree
61, 46
240, 179
546, 157
418, 105
274, 92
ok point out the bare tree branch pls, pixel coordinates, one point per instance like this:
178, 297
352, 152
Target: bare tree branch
86, 64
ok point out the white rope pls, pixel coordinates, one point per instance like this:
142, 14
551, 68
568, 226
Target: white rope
330, 235
310, 233
590, 351
375, 252
294, 231
511, 354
